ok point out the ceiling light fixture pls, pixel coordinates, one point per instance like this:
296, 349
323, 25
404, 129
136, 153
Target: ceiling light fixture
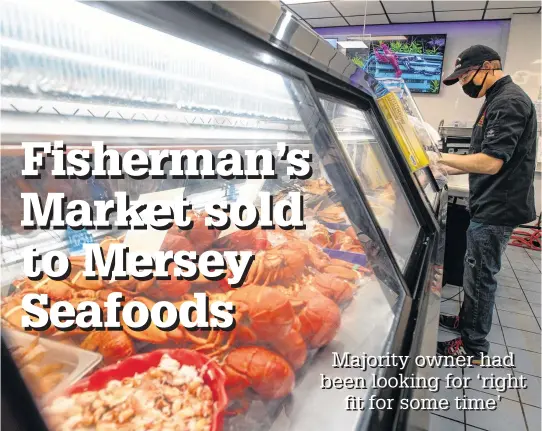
352, 44
387, 38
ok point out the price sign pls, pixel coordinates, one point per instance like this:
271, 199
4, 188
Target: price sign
76, 240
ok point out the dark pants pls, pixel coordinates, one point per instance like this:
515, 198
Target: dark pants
485, 245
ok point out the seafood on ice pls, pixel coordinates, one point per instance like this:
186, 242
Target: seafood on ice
170, 396
289, 304
343, 241
333, 214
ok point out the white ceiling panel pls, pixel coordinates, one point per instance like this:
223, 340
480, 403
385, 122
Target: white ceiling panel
411, 17
328, 14
327, 22
315, 10
357, 7
496, 4
443, 5
406, 6
465, 15
292, 12
507, 13
306, 25
371, 20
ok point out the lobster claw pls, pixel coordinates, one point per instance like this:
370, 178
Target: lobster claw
293, 348
236, 383
113, 345
263, 370
298, 304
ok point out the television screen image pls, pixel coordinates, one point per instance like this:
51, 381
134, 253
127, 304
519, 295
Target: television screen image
415, 58
359, 56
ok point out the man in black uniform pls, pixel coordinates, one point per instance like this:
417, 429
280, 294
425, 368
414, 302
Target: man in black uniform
501, 165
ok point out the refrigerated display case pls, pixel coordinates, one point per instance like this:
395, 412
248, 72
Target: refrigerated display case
363, 276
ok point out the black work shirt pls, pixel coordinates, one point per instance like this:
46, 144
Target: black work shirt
506, 129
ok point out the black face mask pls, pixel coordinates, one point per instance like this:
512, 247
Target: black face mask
473, 90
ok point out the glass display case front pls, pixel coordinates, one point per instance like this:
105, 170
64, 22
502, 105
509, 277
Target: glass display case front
379, 181
324, 290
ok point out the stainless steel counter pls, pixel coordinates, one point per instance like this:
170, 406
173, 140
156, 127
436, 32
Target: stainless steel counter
458, 186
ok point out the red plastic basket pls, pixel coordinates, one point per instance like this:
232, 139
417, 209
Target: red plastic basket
214, 377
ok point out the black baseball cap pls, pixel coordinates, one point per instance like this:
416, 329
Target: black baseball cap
472, 57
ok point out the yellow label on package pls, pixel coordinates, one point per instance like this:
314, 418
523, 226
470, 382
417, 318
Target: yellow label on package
403, 131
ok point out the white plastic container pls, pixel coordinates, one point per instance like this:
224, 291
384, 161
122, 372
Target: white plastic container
77, 362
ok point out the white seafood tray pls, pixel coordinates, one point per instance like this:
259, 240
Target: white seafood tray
77, 362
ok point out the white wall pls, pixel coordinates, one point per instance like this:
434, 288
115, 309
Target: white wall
523, 63
523, 56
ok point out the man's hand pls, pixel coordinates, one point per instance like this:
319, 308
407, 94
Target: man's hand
479, 163
436, 159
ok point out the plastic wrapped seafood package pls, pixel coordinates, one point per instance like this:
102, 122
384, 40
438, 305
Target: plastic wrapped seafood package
427, 135
399, 87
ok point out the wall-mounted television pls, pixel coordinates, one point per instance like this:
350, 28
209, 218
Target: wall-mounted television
415, 58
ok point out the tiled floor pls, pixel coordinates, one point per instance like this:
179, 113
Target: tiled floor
516, 329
